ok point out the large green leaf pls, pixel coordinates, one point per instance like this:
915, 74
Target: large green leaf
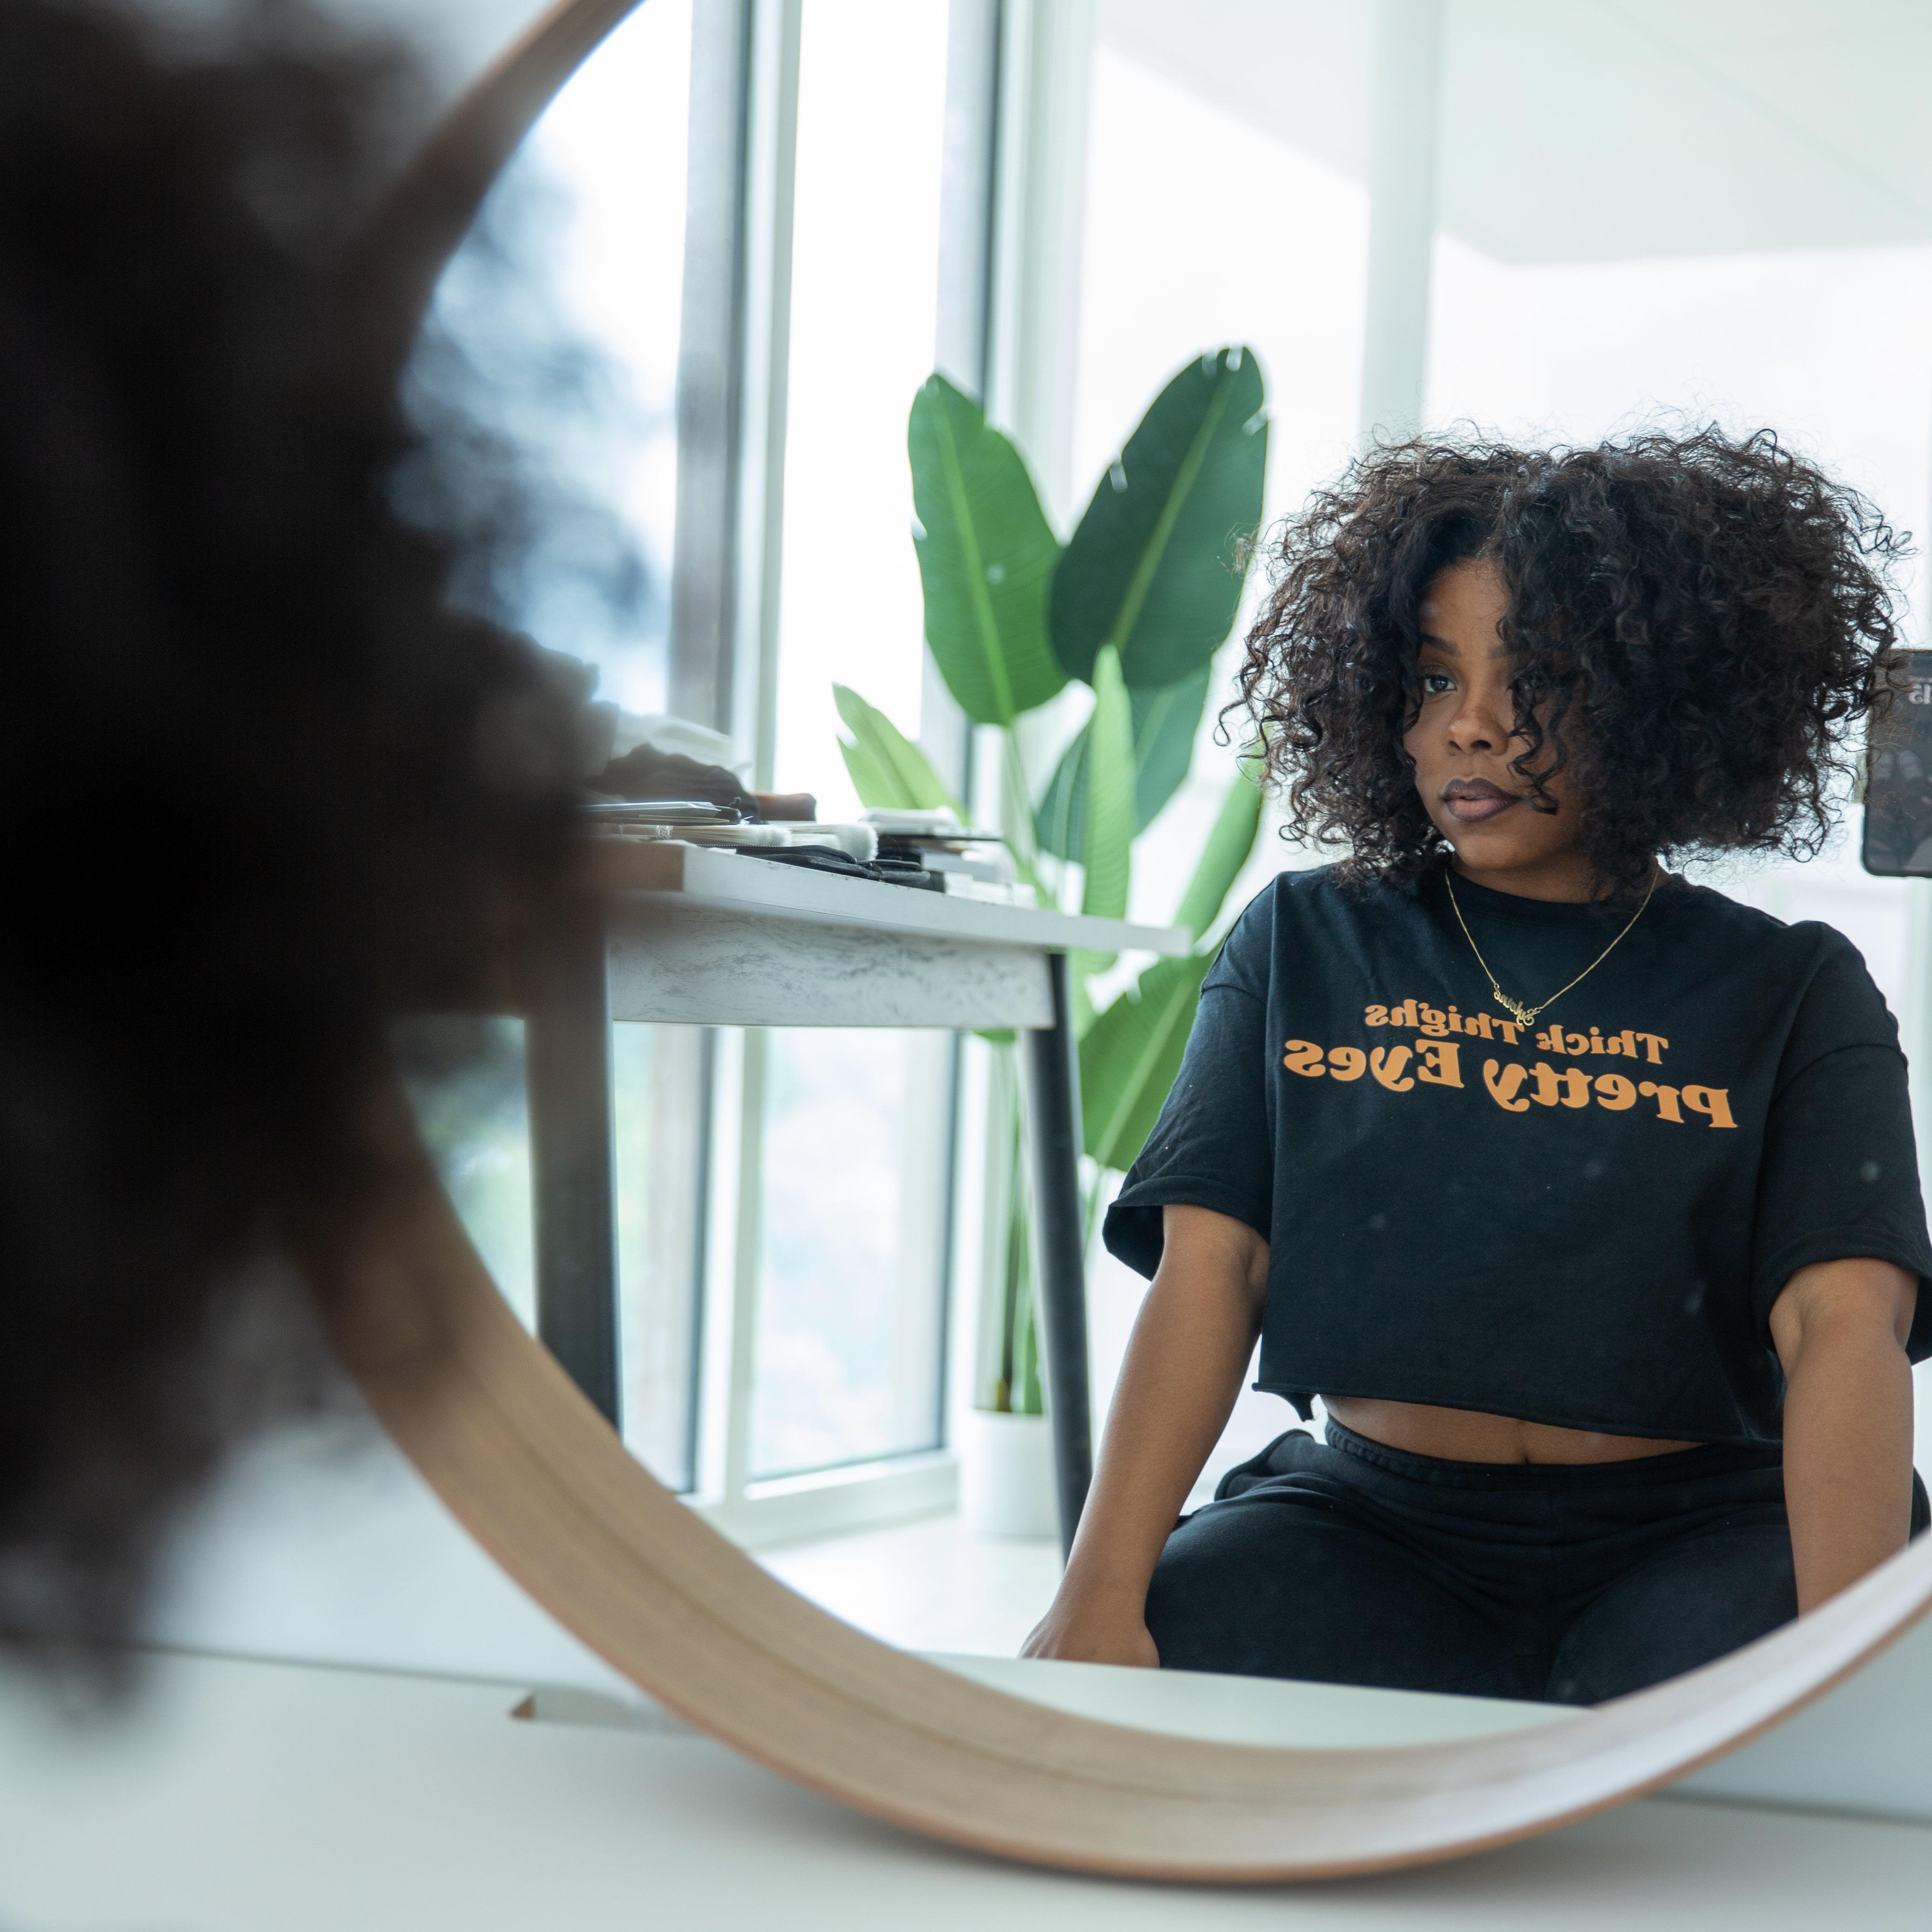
1131, 1054
1165, 723
1153, 568
888, 771
874, 782
1228, 845
986, 559
1107, 849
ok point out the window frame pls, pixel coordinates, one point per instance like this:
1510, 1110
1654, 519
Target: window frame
725, 655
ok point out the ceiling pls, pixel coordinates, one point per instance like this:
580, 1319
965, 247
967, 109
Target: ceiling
1592, 129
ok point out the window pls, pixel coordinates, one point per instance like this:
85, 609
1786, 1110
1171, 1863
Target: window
735, 441
567, 328
566, 331
851, 1271
850, 1280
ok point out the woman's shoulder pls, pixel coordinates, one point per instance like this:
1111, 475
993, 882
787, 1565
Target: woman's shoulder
1808, 967
1803, 945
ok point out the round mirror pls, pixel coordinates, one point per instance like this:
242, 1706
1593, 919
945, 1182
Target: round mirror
767, 1199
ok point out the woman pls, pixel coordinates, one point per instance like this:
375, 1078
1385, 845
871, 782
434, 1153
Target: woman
1585, 1197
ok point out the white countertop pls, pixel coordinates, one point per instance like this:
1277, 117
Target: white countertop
726, 881
248, 1797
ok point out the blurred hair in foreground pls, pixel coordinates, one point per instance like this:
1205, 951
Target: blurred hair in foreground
263, 789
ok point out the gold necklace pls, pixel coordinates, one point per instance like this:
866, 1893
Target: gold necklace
1523, 1016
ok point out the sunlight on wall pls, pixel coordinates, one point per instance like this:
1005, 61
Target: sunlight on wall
1826, 346
1200, 229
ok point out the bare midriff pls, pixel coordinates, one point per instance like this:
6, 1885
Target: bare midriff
1470, 1435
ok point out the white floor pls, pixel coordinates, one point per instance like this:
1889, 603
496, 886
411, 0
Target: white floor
931, 1585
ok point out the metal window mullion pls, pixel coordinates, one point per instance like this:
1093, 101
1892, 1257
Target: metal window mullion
710, 369
756, 558
747, 1265
976, 52
771, 159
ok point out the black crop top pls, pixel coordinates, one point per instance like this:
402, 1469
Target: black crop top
1584, 1222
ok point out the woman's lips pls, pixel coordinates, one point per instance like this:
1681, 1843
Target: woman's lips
1472, 804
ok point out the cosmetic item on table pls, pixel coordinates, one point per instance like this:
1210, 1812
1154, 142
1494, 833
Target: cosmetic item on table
858, 842
971, 862
928, 851
682, 812
937, 828
830, 859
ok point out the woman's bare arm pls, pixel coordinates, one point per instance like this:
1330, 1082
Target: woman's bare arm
1839, 1329
1189, 1348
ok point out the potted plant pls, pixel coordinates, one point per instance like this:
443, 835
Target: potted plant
1134, 605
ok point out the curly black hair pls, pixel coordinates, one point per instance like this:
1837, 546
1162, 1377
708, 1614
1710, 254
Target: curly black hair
263, 788
1697, 623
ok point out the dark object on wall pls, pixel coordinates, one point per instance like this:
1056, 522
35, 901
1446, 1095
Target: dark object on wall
1898, 841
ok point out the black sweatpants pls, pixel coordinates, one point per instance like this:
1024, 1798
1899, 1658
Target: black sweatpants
1350, 1563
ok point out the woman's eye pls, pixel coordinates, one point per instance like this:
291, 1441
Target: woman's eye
1435, 683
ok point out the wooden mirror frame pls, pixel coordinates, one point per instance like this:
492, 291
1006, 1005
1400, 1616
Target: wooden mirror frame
537, 1477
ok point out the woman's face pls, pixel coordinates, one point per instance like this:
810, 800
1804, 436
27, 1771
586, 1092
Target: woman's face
1462, 744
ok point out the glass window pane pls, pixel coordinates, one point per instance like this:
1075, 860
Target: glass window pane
565, 305
864, 309
851, 1274
557, 327
657, 1100
476, 1124
851, 1300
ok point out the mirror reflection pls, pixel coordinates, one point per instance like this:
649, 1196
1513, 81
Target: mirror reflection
1526, 1176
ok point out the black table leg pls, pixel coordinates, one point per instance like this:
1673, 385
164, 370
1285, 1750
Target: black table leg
567, 1070
1050, 1065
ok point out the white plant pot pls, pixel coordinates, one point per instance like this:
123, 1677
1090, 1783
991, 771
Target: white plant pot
1006, 1475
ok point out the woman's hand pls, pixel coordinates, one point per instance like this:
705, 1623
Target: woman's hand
1087, 1632
1191, 1342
